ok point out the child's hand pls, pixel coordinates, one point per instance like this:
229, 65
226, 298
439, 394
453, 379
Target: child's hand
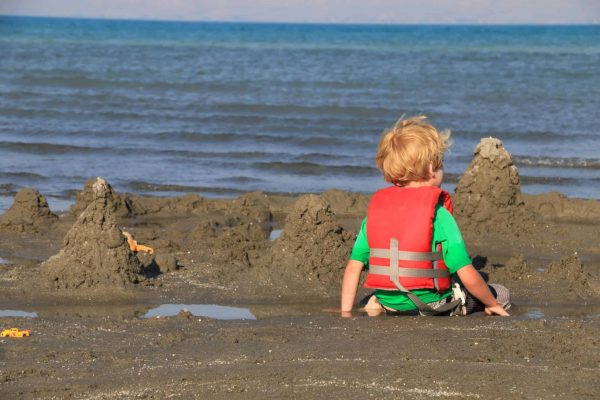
496, 310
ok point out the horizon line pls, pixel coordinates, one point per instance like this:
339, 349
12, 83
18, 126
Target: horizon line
467, 23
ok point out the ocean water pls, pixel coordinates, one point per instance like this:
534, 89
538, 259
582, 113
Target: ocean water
168, 108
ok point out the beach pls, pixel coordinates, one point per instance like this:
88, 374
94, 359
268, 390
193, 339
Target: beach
281, 259
178, 201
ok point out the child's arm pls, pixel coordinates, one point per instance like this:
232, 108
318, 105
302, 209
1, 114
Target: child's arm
475, 284
350, 285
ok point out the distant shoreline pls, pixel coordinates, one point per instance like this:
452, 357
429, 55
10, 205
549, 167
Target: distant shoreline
324, 24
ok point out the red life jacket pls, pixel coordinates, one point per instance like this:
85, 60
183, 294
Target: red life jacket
400, 230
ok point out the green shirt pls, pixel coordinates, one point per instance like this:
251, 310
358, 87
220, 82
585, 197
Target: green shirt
446, 232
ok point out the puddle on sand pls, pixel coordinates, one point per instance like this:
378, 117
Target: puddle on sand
553, 311
275, 233
535, 313
201, 310
17, 313
3, 260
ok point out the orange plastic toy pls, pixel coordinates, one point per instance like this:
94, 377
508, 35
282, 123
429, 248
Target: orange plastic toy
15, 332
134, 246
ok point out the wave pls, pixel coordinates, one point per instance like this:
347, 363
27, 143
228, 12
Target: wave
215, 137
67, 80
154, 149
23, 175
54, 148
530, 136
320, 157
297, 109
242, 179
230, 137
308, 168
557, 162
8, 189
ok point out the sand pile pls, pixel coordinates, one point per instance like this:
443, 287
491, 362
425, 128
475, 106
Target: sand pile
29, 213
515, 269
570, 272
226, 240
95, 252
234, 236
346, 202
313, 247
488, 195
169, 206
121, 206
253, 206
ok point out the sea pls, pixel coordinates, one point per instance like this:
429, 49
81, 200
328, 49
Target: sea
219, 109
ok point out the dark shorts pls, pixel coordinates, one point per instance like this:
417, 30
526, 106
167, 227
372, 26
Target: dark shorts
500, 292
471, 306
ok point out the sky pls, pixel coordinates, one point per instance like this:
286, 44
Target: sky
321, 11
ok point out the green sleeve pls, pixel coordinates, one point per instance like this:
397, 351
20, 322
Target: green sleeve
446, 232
360, 251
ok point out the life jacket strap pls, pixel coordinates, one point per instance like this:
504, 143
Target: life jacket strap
407, 255
409, 272
394, 272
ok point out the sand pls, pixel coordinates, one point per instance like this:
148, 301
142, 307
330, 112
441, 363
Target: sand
488, 195
95, 251
90, 292
29, 213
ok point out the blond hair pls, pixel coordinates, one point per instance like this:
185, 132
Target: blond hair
406, 151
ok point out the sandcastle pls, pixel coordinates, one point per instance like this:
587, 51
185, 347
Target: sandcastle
489, 192
120, 206
95, 252
313, 246
29, 213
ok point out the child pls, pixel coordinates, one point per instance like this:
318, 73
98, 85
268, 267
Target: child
410, 226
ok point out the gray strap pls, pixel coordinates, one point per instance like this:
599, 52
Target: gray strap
394, 273
410, 272
436, 268
427, 309
407, 255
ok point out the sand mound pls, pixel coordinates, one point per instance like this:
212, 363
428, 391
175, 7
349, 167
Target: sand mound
121, 206
29, 213
346, 202
313, 247
250, 208
556, 206
570, 272
515, 269
234, 235
95, 252
488, 195
168, 206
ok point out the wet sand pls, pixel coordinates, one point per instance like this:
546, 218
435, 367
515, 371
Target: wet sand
90, 340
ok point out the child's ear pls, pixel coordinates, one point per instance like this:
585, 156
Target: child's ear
431, 174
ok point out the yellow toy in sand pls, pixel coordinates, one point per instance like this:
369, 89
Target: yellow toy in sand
134, 246
15, 332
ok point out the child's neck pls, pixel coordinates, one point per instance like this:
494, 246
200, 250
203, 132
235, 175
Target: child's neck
416, 184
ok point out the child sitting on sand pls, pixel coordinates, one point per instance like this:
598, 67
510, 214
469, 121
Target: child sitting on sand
409, 226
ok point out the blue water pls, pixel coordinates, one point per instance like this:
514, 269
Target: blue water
217, 109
